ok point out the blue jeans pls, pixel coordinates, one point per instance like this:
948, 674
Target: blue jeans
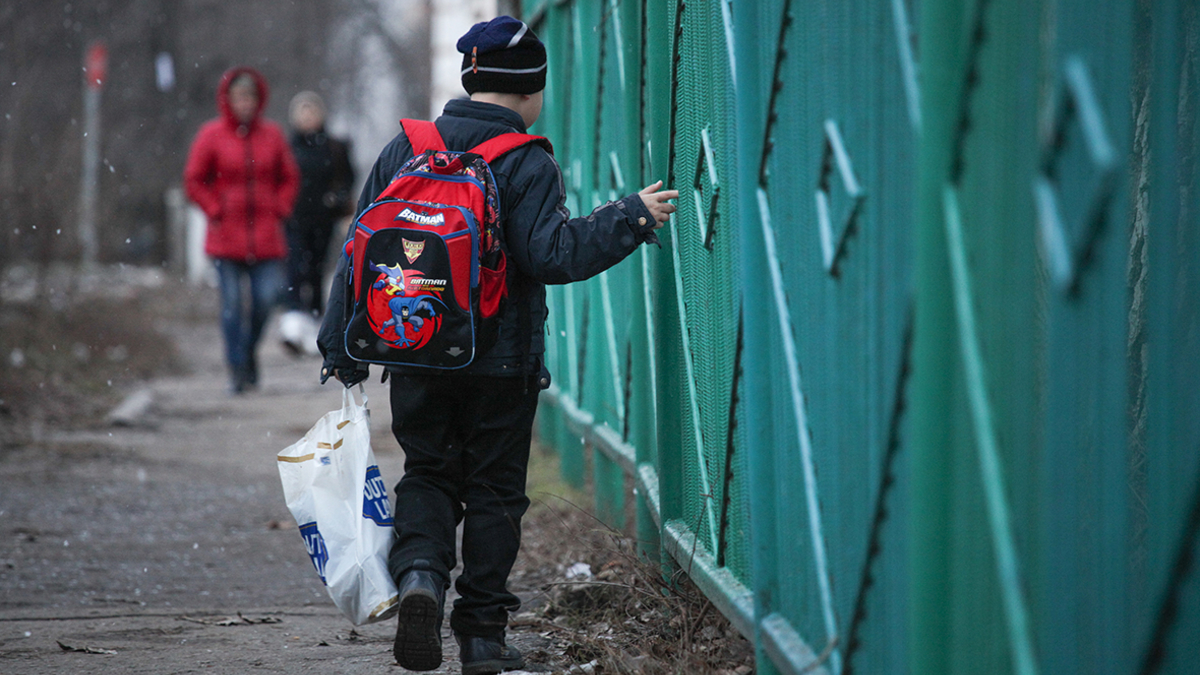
241, 329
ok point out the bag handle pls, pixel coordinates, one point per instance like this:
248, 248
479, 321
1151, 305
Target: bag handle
489, 151
423, 135
348, 402
439, 165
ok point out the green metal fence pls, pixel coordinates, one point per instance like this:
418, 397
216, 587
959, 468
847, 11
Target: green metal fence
913, 382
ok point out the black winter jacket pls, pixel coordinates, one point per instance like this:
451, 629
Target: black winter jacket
544, 244
326, 179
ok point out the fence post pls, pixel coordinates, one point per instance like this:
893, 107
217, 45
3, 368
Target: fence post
1171, 623
934, 363
659, 75
642, 413
95, 71
200, 269
751, 110
177, 218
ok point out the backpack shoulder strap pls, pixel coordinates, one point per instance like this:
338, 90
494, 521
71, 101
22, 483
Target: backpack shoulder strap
423, 135
497, 146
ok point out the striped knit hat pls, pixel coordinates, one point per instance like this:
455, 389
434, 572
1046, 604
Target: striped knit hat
502, 55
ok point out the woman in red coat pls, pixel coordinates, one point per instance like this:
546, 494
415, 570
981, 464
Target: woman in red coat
240, 171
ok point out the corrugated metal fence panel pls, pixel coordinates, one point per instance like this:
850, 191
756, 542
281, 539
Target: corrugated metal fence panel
561, 352
605, 390
838, 183
1086, 499
704, 245
992, 162
1054, 338
1172, 306
1032, 511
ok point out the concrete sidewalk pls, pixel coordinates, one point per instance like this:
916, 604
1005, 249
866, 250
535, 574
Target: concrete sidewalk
166, 546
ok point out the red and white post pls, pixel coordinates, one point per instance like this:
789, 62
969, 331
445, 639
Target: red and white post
95, 70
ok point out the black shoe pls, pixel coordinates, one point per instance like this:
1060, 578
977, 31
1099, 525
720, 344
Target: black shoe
237, 382
484, 656
418, 643
252, 371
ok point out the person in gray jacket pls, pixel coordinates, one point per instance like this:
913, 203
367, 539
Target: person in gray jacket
466, 433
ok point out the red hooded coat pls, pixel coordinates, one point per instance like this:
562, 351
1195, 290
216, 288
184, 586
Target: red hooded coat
244, 178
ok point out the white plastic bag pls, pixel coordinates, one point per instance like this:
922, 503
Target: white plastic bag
333, 488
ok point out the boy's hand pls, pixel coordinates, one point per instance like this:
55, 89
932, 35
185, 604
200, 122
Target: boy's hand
657, 203
347, 376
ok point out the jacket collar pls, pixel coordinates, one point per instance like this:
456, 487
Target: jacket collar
312, 139
487, 112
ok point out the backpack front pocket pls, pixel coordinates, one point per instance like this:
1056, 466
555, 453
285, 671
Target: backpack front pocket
409, 310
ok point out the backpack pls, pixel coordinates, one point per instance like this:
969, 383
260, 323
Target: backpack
427, 271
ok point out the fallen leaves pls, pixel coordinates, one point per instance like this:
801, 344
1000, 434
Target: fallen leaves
239, 620
86, 649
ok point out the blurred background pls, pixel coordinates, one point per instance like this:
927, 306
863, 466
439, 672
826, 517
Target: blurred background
372, 60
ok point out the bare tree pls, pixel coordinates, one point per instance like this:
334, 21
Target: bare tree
147, 128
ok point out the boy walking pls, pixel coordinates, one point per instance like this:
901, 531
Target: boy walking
466, 433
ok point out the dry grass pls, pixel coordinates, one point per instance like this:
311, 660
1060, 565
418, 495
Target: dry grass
632, 615
65, 362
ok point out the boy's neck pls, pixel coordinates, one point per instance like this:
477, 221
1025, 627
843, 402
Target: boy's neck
510, 101
528, 106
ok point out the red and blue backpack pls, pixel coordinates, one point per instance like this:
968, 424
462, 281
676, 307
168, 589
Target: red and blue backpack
427, 271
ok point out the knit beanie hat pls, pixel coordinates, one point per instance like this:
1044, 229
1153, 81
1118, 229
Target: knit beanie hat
502, 55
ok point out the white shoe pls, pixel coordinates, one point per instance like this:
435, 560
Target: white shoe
298, 331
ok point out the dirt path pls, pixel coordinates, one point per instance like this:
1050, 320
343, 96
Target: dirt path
160, 543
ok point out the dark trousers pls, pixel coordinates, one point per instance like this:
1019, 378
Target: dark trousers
466, 450
308, 245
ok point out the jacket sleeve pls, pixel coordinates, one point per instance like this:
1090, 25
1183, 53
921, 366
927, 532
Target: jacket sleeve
330, 339
547, 244
333, 327
199, 172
